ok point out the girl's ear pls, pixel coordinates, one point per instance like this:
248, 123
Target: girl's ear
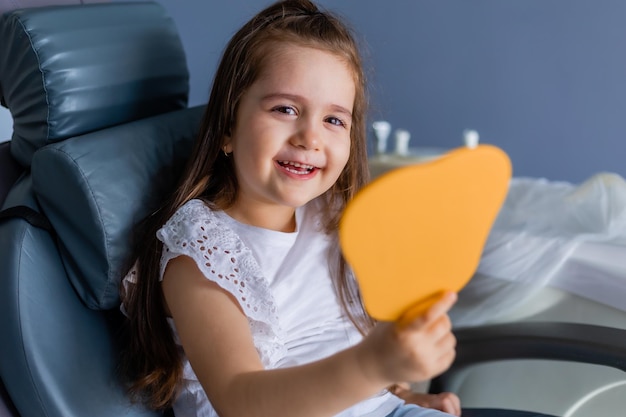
227, 147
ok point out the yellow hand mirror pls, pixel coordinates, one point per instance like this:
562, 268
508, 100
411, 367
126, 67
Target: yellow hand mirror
419, 231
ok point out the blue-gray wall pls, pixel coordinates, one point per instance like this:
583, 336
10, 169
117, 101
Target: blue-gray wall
6, 124
543, 79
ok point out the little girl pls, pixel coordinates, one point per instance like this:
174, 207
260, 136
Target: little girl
239, 302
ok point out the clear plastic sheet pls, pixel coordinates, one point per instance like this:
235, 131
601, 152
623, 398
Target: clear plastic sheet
558, 234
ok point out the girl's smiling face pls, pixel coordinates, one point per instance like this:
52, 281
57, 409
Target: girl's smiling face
291, 139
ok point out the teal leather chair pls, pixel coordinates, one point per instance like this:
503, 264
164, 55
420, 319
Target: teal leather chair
98, 94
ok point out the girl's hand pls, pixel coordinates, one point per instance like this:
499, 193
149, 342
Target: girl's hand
417, 351
447, 402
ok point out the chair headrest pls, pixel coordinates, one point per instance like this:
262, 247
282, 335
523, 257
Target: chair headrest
6, 5
69, 70
95, 188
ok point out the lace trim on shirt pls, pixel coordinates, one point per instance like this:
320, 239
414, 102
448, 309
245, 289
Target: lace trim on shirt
195, 231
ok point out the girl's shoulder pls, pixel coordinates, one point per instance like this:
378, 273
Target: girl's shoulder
196, 207
194, 221
194, 211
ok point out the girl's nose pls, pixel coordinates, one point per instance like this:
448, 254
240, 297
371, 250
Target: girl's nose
307, 137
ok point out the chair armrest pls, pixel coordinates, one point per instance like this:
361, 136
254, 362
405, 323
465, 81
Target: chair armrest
572, 342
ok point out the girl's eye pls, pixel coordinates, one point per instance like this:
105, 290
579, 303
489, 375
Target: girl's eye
285, 109
336, 121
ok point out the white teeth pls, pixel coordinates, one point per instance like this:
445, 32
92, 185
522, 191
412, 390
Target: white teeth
297, 165
294, 171
306, 168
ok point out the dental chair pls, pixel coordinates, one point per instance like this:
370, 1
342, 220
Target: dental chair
98, 94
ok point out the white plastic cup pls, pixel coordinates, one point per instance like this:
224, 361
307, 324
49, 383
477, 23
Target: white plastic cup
382, 129
470, 138
402, 138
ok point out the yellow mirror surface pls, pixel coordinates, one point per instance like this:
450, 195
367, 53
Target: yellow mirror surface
419, 230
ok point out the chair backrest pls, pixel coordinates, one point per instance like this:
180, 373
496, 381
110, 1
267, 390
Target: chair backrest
10, 170
98, 94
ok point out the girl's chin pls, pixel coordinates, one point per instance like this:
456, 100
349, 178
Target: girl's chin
299, 201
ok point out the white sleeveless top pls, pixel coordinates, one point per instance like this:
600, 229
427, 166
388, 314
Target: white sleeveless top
283, 285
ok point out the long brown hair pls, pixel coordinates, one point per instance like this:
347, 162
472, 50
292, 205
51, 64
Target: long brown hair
151, 361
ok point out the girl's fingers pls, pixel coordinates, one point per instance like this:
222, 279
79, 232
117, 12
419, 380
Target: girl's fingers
441, 307
446, 354
441, 327
450, 403
438, 309
420, 349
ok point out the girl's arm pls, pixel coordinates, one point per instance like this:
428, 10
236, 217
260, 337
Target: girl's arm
217, 341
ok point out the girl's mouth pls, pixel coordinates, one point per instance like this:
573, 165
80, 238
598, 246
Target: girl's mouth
296, 167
